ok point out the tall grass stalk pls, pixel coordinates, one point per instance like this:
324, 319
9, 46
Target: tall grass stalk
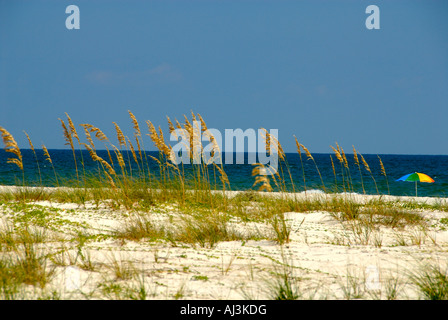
355, 156
301, 163
11, 146
341, 162
310, 157
383, 172
74, 134
48, 158
69, 141
366, 166
35, 157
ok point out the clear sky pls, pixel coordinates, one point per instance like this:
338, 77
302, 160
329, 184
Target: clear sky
307, 68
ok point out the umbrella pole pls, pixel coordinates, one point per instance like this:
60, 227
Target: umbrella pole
416, 188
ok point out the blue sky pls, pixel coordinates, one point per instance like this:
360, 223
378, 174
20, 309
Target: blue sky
307, 68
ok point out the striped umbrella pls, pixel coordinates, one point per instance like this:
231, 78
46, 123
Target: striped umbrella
415, 177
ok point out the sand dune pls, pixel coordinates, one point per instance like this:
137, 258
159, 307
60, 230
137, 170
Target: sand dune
324, 259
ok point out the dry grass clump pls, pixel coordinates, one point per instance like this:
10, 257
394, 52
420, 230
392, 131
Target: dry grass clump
22, 260
432, 281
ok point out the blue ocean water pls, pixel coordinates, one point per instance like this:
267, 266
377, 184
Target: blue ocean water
240, 175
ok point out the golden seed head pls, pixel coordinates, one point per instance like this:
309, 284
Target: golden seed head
29, 141
383, 170
365, 164
47, 155
67, 135
72, 128
355, 156
120, 135
298, 146
308, 153
135, 123
12, 147
338, 154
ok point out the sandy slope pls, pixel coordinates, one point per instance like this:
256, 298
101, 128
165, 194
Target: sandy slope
325, 258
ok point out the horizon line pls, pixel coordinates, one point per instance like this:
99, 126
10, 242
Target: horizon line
322, 153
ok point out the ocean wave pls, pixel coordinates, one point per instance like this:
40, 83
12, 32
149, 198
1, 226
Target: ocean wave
313, 191
350, 193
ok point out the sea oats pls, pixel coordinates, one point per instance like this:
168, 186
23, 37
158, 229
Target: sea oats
107, 165
188, 125
110, 156
193, 117
338, 154
120, 135
203, 125
29, 141
68, 138
223, 176
95, 157
99, 134
307, 152
171, 128
178, 125
272, 141
165, 148
111, 180
345, 158
355, 156
12, 147
135, 123
48, 158
267, 139
87, 133
310, 157
119, 157
365, 164
73, 131
301, 162
35, 155
259, 171
134, 155
156, 160
332, 165
215, 147
47, 155
67, 135
137, 141
371, 174
298, 146
383, 170
157, 138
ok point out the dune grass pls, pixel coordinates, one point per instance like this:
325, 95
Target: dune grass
124, 180
200, 195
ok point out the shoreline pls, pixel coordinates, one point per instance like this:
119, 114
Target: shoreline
303, 195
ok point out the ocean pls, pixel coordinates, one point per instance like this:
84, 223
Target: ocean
240, 175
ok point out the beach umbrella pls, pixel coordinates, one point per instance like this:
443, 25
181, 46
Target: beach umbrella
416, 177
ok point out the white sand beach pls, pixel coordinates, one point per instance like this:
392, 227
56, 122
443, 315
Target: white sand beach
324, 259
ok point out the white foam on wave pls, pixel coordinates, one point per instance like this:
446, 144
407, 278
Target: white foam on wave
313, 191
350, 193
